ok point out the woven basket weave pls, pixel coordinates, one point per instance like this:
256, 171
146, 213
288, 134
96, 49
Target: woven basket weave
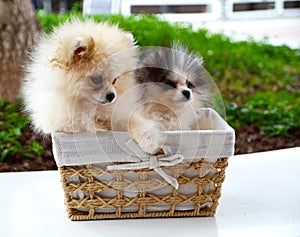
201, 203
94, 191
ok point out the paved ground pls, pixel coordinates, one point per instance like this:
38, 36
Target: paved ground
278, 31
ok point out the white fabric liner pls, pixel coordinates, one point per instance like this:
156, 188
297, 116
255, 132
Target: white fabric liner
104, 148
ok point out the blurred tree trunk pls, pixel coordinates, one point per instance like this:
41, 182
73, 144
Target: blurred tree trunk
19, 29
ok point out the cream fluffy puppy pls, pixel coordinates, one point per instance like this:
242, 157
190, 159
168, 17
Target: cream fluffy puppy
76, 76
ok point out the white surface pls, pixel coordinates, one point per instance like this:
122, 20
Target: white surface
260, 197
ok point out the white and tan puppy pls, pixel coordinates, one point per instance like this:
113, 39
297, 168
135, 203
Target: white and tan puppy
175, 85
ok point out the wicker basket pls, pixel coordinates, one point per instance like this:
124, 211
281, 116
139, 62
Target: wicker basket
106, 177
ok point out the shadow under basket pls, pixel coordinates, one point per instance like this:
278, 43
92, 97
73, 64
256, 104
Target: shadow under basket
107, 176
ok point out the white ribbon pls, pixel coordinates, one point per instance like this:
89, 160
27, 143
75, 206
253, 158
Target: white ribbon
151, 162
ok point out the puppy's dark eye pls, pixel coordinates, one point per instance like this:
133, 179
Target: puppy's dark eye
171, 83
114, 81
96, 80
190, 85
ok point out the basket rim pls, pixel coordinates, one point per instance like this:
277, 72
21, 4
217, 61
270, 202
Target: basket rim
71, 149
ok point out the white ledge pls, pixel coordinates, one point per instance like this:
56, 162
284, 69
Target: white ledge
260, 197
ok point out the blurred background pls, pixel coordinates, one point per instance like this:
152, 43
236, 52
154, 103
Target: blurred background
251, 49
277, 19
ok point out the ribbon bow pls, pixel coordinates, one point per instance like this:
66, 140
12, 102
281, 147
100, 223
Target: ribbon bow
151, 162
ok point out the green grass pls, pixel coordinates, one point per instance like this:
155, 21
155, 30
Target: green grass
277, 113
12, 125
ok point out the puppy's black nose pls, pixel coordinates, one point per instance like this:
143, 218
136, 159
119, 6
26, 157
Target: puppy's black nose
110, 96
186, 94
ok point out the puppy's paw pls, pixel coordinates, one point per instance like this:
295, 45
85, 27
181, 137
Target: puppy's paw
148, 140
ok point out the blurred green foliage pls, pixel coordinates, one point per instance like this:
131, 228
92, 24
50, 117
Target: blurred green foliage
277, 113
12, 125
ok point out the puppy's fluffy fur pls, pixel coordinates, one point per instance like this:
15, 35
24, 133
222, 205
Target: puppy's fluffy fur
76, 76
175, 86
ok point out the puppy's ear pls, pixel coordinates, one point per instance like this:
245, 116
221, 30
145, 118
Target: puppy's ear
73, 52
82, 48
